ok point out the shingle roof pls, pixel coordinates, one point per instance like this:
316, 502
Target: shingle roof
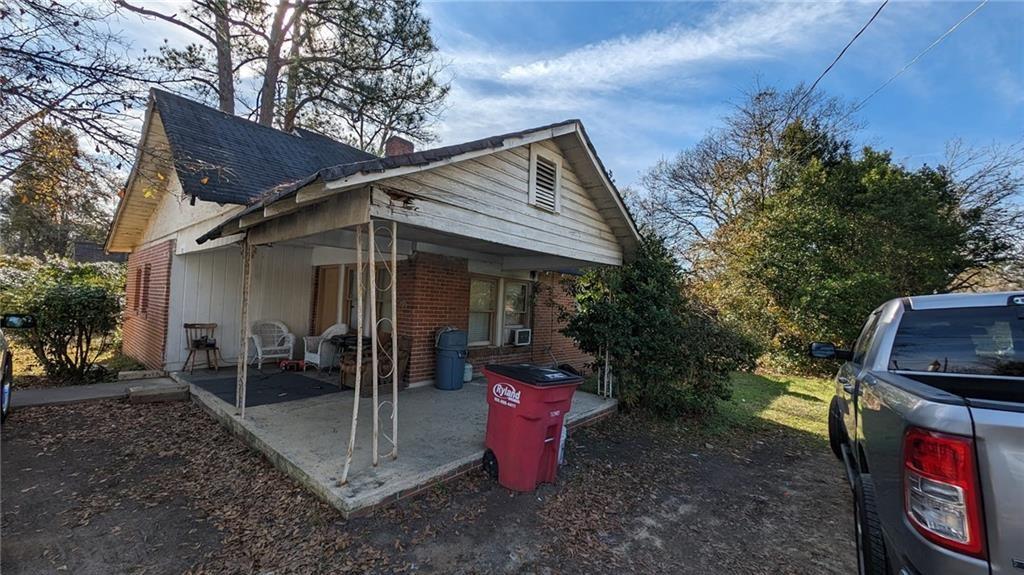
377, 165
241, 160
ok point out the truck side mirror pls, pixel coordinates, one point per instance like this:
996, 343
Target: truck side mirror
822, 350
17, 321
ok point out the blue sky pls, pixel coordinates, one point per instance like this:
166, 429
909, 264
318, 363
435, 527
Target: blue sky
649, 79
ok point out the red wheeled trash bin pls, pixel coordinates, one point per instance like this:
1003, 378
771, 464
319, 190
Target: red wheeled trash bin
526, 412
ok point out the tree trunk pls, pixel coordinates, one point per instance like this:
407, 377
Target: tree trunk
293, 71
268, 92
225, 66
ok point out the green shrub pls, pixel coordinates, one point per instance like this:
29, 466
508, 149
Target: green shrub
670, 356
77, 307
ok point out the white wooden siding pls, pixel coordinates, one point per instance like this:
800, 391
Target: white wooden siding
176, 218
207, 286
488, 198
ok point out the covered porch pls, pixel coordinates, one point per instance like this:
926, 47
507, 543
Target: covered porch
301, 424
471, 236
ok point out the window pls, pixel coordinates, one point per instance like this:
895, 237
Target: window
516, 308
980, 340
145, 288
138, 290
545, 178
483, 294
860, 349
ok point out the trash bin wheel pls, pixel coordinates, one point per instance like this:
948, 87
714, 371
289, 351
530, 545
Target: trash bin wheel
491, 464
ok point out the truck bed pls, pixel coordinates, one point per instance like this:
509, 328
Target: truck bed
973, 387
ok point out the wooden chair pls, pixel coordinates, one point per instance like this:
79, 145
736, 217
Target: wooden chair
200, 337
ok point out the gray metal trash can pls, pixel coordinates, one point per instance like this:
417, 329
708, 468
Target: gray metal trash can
451, 358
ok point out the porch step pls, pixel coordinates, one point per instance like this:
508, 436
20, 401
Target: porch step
140, 374
150, 394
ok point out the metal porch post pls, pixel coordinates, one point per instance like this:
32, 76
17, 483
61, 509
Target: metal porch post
359, 354
243, 353
373, 335
394, 340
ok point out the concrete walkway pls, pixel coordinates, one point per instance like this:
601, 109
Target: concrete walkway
35, 397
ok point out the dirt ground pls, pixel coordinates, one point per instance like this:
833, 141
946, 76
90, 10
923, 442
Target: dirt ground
116, 488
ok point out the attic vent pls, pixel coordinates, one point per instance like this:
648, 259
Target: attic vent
545, 178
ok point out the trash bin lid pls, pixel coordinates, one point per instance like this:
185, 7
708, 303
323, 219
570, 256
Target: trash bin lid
535, 374
452, 339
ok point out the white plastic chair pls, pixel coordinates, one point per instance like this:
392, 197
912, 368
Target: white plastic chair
318, 349
272, 340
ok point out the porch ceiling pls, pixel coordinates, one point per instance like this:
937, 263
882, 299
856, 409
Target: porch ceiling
413, 238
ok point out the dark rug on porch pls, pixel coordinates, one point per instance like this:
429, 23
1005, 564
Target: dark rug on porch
269, 389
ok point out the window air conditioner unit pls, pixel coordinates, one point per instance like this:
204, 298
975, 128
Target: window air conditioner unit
523, 336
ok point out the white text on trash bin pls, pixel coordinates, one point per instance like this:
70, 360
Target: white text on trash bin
505, 394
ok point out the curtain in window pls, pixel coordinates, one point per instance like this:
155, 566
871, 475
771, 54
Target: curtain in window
482, 304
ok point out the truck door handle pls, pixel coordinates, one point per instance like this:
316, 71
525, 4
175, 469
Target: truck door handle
848, 386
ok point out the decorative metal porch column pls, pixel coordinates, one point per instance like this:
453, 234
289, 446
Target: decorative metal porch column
376, 248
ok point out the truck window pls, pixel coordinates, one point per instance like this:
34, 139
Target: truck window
972, 341
860, 349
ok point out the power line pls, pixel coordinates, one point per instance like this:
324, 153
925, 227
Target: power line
860, 105
845, 48
918, 57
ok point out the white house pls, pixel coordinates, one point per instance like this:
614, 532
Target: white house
483, 230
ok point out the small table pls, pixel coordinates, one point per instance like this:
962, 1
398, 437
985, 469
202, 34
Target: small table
289, 364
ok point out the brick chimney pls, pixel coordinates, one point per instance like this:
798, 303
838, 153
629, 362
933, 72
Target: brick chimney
396, 146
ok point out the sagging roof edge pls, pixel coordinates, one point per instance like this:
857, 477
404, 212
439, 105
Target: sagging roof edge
423, 158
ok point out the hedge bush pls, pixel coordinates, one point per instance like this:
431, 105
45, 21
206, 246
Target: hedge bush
670, 355
77, 307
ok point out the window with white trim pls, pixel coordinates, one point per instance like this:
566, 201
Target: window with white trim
483, 300
545, 178
516, 307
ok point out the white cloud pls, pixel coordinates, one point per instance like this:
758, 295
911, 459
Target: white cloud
730, 36
613, 85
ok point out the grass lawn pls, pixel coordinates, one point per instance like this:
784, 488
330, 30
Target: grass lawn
28, 372
766, 400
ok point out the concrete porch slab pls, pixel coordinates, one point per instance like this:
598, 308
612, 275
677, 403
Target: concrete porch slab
441, 435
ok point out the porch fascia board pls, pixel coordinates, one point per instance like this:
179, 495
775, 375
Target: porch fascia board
341, 211
434, 216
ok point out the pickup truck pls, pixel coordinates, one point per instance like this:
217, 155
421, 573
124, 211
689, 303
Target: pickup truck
928, 418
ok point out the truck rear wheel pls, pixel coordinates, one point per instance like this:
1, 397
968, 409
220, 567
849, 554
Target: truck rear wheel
871, 555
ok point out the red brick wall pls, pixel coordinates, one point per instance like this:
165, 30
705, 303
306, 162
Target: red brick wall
433, 291
550, 298
145, 317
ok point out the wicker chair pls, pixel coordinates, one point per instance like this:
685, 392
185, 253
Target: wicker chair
318, 349
272, 340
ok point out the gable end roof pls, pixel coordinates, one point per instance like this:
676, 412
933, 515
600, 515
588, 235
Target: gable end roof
379, 168
239, 159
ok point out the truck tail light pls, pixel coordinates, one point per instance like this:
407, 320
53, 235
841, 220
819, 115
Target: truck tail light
941, 490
